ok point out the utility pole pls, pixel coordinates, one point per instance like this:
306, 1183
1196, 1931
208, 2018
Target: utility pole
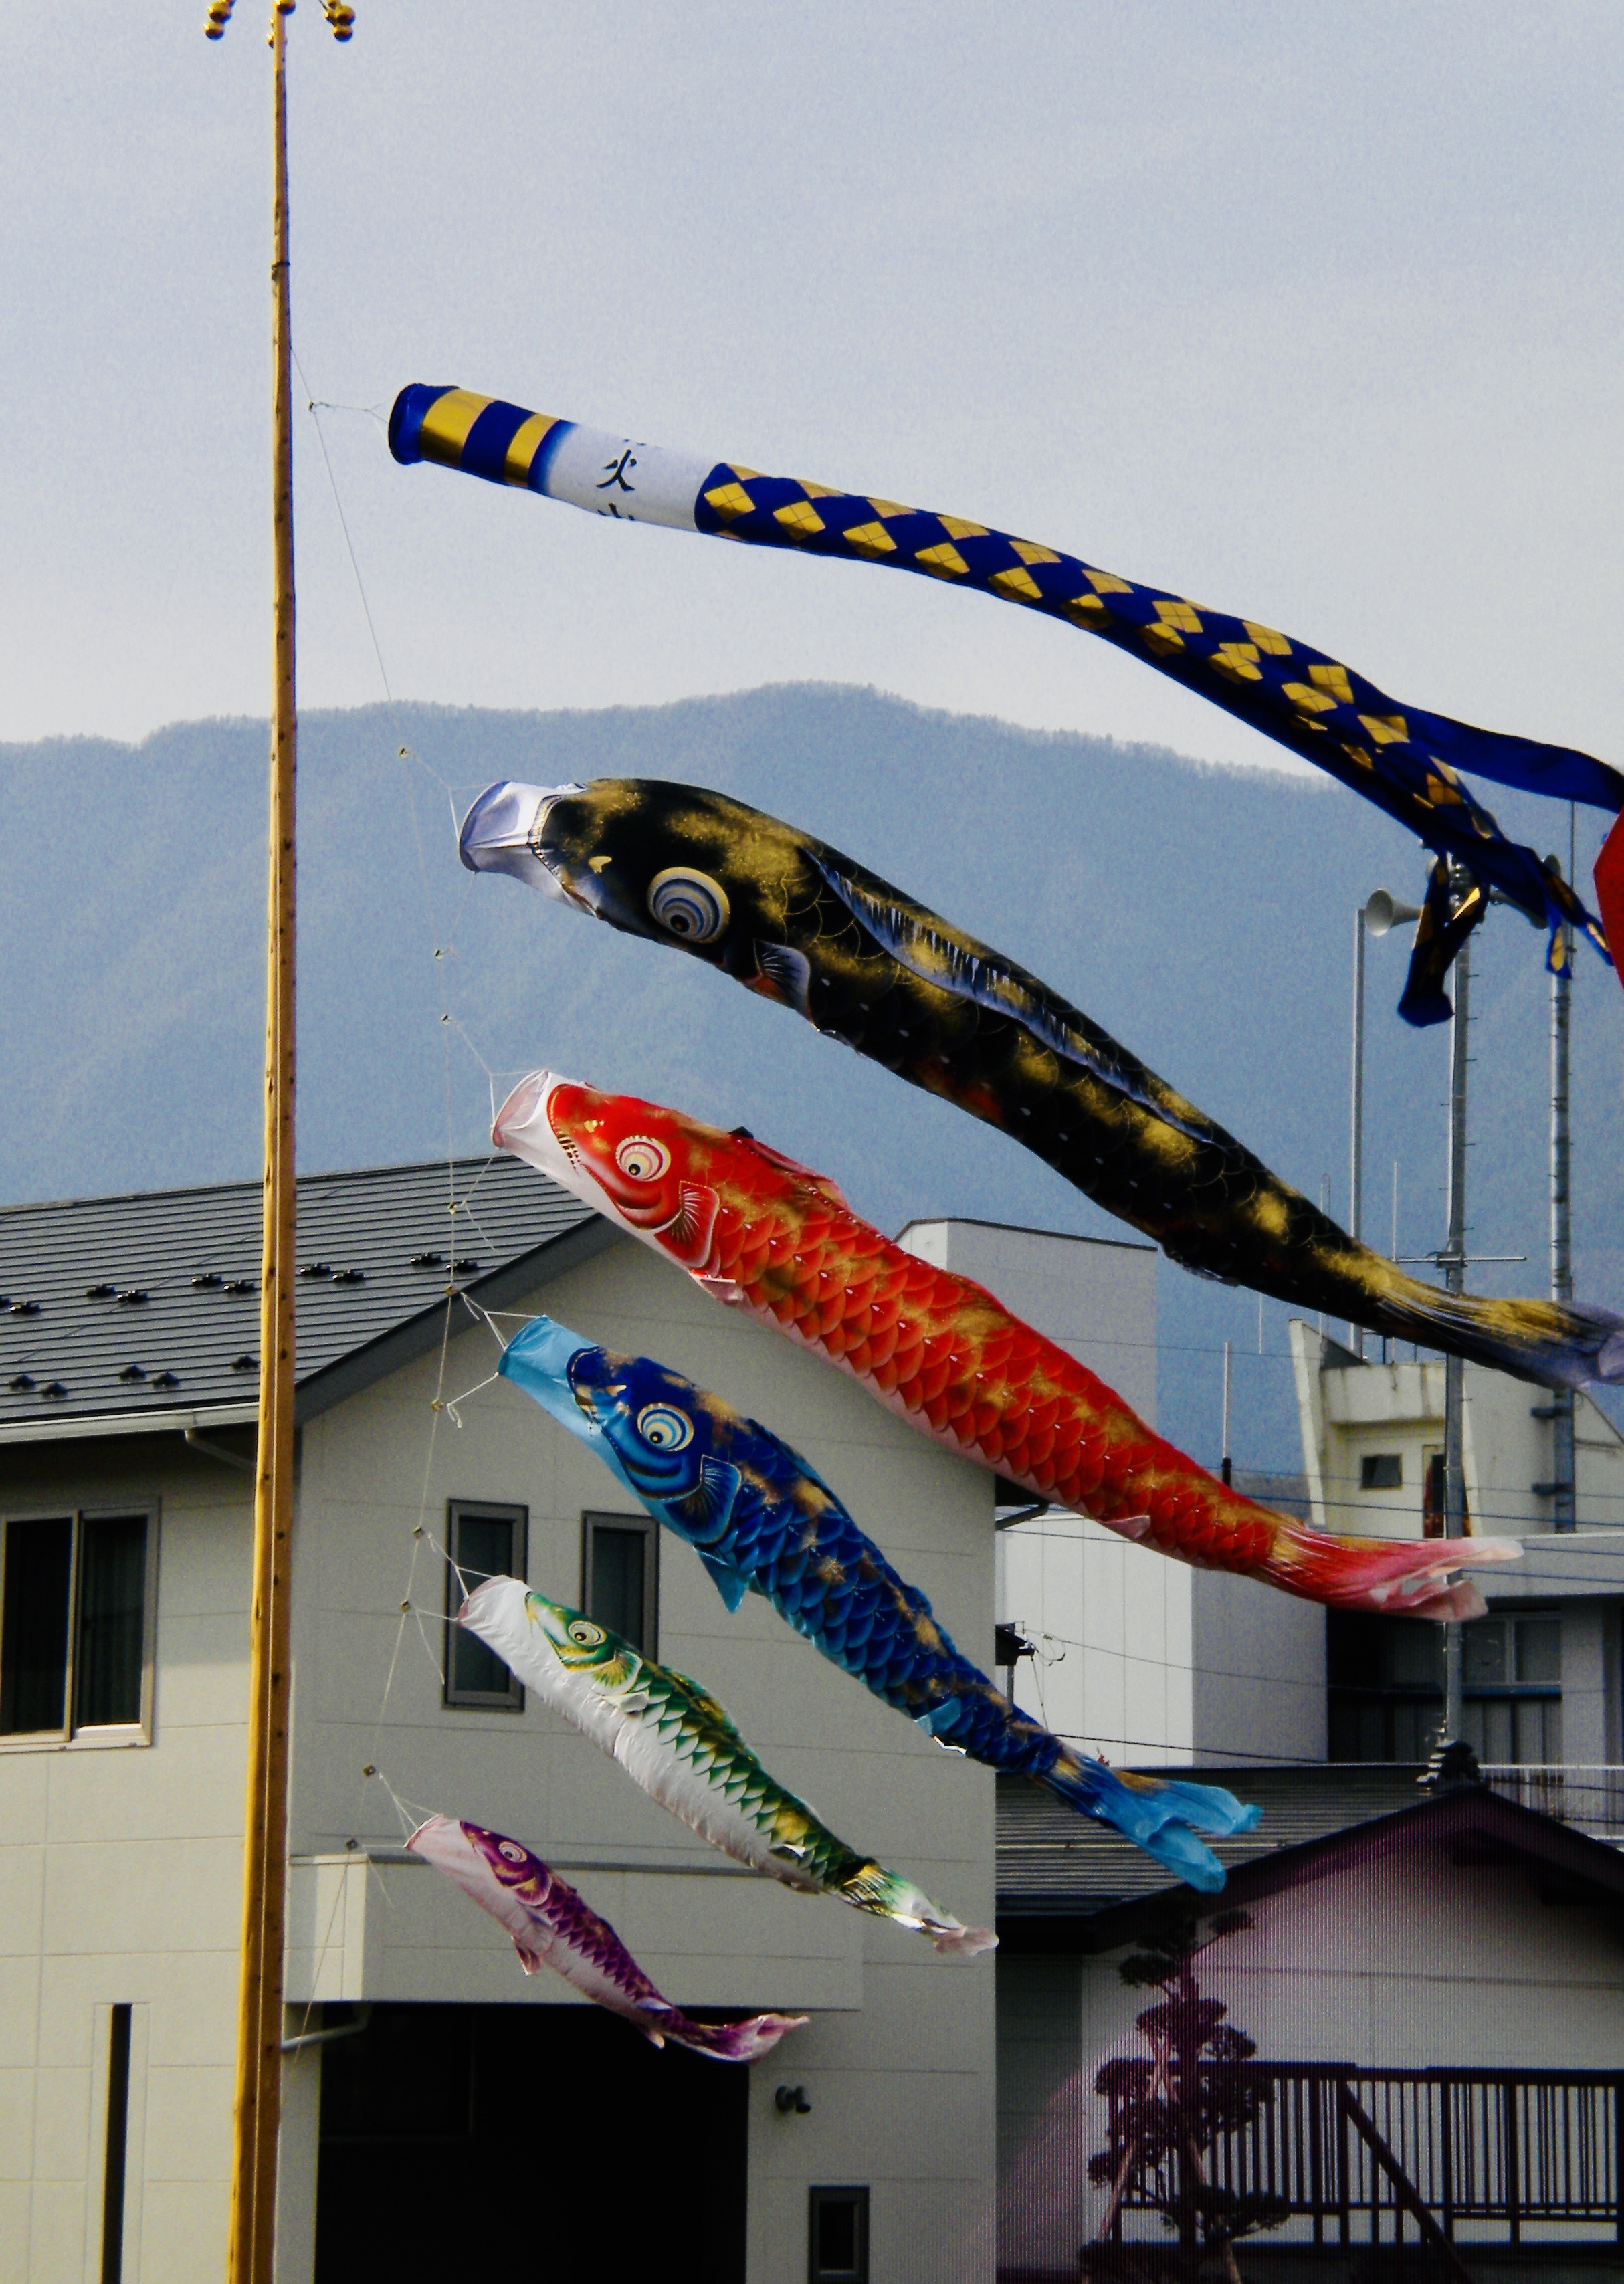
1356, 1148
1564, 1501
1379, 913
1454, 1372
258, 2107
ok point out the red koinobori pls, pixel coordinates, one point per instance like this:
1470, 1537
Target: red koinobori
762, 1233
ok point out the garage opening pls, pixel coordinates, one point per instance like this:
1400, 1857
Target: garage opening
529, 2131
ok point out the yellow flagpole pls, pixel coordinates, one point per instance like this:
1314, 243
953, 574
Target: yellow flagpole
258, 2107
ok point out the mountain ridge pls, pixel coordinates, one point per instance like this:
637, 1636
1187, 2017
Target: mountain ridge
1200, 912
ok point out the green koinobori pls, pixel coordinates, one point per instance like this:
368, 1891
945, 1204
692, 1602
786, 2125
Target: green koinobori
1404, 760
673, 1738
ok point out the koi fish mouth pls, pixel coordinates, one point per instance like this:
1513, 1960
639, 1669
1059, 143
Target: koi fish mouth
523, 1126
502, 832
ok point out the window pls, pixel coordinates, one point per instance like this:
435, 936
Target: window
76, 1596
1435, 1497
1513, 1683
118, 2137
620, 1577
483, 1542
1387, 1687
837, 2236
1381, 1471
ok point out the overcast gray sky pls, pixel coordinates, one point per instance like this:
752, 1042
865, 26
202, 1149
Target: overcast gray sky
1308, 311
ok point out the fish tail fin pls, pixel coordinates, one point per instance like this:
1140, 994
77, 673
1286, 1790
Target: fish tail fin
887, 1894
1609, 878
962, 1942
1400, 1577
1556, 1343
733, 2042
1161, 1816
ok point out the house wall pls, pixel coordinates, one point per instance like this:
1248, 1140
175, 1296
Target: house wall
120, 1873
120, 1882
897, 2062
1144, 1660
1417, 1961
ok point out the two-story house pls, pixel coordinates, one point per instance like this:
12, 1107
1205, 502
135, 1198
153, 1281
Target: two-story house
434, 2097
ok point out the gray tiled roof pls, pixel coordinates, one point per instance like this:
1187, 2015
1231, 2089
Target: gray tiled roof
1053, 1863
74, 1344
1088, 1892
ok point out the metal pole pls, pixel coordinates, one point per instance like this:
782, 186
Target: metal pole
260, 2026
1356, 1146
1564, 1500
1454, 1278
1227, 1466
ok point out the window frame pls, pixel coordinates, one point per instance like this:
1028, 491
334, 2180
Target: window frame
481, 1701
818, 2194
648, 1529
73, 1735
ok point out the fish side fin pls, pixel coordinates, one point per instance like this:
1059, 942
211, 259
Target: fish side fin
783, 974
709, 1505
691, 1228
531, 1961
921, 941
939, 1718
731, 1584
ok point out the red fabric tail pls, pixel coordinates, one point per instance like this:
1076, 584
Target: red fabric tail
1610, 892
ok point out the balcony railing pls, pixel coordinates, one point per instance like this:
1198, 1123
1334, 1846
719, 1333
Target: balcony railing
1356, 2156
1590, 1798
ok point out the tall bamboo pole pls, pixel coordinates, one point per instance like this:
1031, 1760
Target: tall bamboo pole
259, 2023
257, 2116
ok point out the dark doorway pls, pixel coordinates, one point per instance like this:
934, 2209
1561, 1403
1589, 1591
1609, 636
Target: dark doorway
525, 2129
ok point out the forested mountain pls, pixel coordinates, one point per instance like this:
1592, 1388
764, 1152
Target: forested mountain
1203, 916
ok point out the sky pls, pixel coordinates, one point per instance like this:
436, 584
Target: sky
1311, 312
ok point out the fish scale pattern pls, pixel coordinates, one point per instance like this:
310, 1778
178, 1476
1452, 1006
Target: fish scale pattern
759, 1516
675, 1741
1402, 759
755, 1229
551, 1924
796, 920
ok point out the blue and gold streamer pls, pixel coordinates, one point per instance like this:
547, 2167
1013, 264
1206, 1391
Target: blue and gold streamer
1406, 760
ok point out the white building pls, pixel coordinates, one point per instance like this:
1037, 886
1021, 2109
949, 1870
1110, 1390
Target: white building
126, 1394
1542, 1672
1146, 1661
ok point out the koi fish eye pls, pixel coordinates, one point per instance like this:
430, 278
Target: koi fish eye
665, 1427
586, 1635
510, 1852
641, 1159
691, 906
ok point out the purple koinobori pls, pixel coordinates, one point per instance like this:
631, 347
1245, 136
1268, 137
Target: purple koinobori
553, 1926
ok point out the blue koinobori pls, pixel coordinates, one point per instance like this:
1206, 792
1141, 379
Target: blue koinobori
1404, 758
761, 1519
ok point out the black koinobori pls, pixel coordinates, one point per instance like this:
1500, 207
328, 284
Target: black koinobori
794, 919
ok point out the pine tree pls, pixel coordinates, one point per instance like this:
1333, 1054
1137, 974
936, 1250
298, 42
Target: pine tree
1170, 2108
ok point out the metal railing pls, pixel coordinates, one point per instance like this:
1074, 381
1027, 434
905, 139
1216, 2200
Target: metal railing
1590, 1797
1350, 2155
